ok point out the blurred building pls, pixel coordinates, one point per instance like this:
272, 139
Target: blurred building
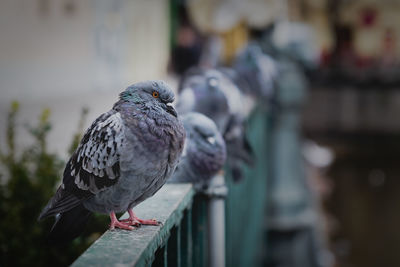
356, 89
352, 109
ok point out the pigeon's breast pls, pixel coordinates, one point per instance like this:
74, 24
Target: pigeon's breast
163, 144
147, 146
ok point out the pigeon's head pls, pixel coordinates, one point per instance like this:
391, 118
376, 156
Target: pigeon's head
257, 72
206, 148
203, 82
154, 94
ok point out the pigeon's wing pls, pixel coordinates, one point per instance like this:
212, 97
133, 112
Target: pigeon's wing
95, 164
93, 167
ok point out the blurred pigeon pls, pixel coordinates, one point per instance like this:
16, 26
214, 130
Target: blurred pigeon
212, 93
199, 90
125, 157
256, 72
296, 40
204, 152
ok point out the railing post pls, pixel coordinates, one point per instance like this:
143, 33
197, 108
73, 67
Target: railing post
216, 221
291, 215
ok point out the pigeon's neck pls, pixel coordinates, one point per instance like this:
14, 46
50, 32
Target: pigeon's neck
123, 105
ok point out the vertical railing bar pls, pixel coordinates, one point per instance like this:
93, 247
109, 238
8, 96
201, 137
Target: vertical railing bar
159, 257
178, 245
186, 254
165, 254
189, 238
173, 247
199, 231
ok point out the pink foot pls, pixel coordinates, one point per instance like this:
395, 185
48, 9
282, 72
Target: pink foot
134, 220
131, 222
149, 222
115, 223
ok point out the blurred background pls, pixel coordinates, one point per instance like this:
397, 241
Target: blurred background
65, 61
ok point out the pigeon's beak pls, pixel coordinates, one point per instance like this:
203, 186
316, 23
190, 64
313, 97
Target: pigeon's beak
170, 109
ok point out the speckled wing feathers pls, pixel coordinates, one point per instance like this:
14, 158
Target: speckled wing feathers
95, 164
93, 167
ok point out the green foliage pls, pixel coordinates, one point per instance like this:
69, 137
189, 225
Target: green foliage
28, 180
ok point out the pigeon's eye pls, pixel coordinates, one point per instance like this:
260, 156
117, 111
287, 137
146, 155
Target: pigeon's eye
155, 94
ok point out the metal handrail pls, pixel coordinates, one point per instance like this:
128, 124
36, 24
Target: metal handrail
146, 245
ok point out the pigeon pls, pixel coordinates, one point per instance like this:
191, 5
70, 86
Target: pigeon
125, 157
255, 72
297, 41
212, 93
199, 90
204, 153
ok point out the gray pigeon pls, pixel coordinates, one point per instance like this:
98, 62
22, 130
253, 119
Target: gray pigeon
199, 90
213, 93
125, 157
255, 72
204, 152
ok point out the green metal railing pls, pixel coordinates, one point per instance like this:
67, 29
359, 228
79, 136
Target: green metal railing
168, 244
182, 239
246, 201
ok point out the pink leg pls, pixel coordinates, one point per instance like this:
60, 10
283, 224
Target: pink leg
115, 223
134, 220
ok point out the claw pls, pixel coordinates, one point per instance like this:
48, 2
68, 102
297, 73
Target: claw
120, 225
132, 222
134, 218
117, 224
149, 222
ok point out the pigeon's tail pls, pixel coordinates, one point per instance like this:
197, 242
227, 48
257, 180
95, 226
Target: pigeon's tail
237, 142
69, 225
250, 157
238, 154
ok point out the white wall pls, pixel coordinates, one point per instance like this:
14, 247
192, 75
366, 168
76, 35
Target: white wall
60, 59
102, 43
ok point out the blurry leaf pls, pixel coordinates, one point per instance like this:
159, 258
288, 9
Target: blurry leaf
11, 130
